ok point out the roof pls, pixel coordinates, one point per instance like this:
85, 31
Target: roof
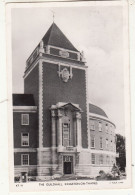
23, 100
55, 37
96, 110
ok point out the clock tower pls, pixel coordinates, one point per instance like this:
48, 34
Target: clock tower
56, 75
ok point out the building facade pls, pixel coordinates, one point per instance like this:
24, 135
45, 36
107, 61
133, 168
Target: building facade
56, 132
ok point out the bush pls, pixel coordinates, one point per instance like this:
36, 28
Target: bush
106, 176
17, 179
32, 178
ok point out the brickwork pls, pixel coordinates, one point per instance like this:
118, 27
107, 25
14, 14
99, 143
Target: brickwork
104, 134
32, 158
55, 90
32, 129
31, 84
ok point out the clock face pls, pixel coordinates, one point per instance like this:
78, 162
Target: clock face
64, 54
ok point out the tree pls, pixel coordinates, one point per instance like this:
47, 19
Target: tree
120, 149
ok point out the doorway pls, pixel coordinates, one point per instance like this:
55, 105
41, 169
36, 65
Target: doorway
67, 165
67, 168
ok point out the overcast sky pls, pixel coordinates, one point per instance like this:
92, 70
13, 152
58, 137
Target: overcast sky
97, 31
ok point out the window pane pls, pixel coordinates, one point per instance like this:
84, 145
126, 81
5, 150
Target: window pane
25, 139
92, 142
93, 159
107, 143
100, 126
107, 128
101, 159
25, 119
66, 134
92, 125
101, 143
25, 159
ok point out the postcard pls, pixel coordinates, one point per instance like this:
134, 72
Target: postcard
68, 91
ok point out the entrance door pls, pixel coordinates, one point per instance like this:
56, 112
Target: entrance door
68, 164
67, 167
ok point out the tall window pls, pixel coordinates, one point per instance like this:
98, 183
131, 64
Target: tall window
25, 159
107, 128
100, 126
25, 139
25, 119
92, 125
92, 142
107, 144
111, 145
101, 143
93, 159
66, 134
107, 160
111, 129
112, 160
101, 159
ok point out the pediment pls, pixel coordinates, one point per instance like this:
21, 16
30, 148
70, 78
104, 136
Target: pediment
69, 106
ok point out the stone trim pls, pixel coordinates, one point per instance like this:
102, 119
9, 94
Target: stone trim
40, 104
24, 108
100, 118
27, 166
35, 63
25, 150
87, 107
103, 152
63, 49
44, 149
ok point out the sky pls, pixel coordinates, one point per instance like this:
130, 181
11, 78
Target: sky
97, 30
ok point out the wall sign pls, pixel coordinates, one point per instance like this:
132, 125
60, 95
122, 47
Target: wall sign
64, 54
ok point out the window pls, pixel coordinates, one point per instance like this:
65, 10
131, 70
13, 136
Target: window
25, 119
112, 160
25, 159
101, 159
66, 134
101, 143
25, 139
107, 128
92, 125
114, 148
107, 144
93, 159
107, 160
92, 142
100, 126
111, 146
111, 129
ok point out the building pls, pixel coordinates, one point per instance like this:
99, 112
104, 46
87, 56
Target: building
57, 132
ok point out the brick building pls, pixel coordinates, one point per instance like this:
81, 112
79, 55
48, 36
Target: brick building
56, 131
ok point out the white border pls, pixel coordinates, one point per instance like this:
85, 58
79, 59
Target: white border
29, 186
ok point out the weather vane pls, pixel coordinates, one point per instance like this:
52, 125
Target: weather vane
53, 15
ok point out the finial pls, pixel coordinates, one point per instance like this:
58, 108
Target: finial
53, 15
82, 56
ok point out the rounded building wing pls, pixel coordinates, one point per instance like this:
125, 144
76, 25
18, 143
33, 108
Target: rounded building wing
96, 110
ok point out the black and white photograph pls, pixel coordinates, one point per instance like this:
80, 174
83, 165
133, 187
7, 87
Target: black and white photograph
70, 96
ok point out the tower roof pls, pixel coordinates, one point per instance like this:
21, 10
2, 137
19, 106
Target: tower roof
55, 37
